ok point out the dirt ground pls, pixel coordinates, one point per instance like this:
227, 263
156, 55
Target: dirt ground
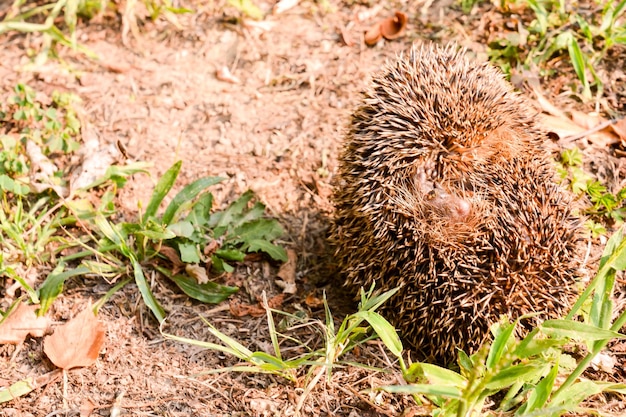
276, 132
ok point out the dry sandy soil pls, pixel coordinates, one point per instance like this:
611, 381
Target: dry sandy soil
276, 132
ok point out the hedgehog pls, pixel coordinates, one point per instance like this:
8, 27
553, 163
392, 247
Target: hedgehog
445, 188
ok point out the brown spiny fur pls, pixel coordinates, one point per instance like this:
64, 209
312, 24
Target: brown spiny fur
446, 190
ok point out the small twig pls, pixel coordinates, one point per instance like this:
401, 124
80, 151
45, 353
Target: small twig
597, 128
350, 391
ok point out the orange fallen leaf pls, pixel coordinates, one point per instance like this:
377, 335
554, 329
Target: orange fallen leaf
77, 343
390, 28
21, 322
238, 309
313, 300
620, 129
393, 27
373, 35
276, 301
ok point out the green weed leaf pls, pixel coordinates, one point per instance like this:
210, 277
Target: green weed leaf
210, 292
188, 193
276, 252
163, 187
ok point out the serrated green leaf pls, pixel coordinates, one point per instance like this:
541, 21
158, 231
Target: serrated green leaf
201, 211
260, 229
274, 251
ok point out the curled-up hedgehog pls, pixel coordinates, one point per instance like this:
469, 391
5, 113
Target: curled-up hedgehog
445, 189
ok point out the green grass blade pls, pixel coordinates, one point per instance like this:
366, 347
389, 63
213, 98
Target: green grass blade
53, 285
102, 301
237, 349
144, 289
577, 330
448, 392
613, 257
384, 329
272, 328
579, 64
165, 184
499, 345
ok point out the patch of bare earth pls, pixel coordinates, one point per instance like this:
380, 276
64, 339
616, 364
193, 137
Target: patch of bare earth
276, 132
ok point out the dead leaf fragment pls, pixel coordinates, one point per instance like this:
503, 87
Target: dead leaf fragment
312, 300
21, 322
224, 74
284, 5
238, 309
171, 254
373, 35
287, 273
197, 272
77, 343
393, 27
620, 129
390, 28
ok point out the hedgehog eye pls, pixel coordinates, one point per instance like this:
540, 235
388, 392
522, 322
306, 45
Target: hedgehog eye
431, 195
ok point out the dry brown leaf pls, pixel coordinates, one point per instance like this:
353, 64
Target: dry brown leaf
345, 36
393, 27
224, 74
284, 5
86, 407
287, 273
620, 129
546, 105
22, 322
373, 35
77, 343
312, 300
238, 309
561, 126
171, 254
276, 301
585, 120
197, 272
